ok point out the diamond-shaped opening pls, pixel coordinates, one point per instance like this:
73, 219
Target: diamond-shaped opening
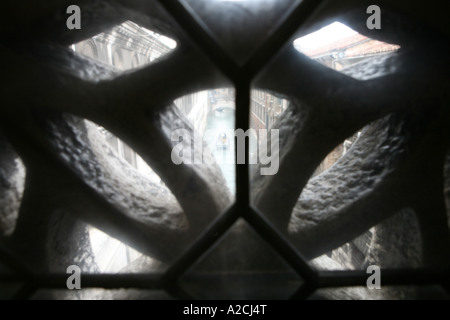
100, 294
240, 26
340, 48
125, 47
12, 186
241, 265
212, 115
410, 292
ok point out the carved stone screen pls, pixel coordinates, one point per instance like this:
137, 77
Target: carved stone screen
268, 149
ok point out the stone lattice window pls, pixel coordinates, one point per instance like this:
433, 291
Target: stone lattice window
364, 163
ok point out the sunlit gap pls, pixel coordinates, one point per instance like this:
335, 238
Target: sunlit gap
126, 46
111, 255
341, 48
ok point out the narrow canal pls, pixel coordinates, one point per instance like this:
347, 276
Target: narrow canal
220, 123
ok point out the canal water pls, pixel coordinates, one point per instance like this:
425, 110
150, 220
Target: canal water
223, 122
219, 123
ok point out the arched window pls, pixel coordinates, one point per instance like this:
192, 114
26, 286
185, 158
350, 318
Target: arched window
117, 59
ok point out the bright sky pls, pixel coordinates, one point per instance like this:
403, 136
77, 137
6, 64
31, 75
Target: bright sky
166, 40
324, 36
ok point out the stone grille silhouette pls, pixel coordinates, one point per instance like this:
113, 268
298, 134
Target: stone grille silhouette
395, 176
